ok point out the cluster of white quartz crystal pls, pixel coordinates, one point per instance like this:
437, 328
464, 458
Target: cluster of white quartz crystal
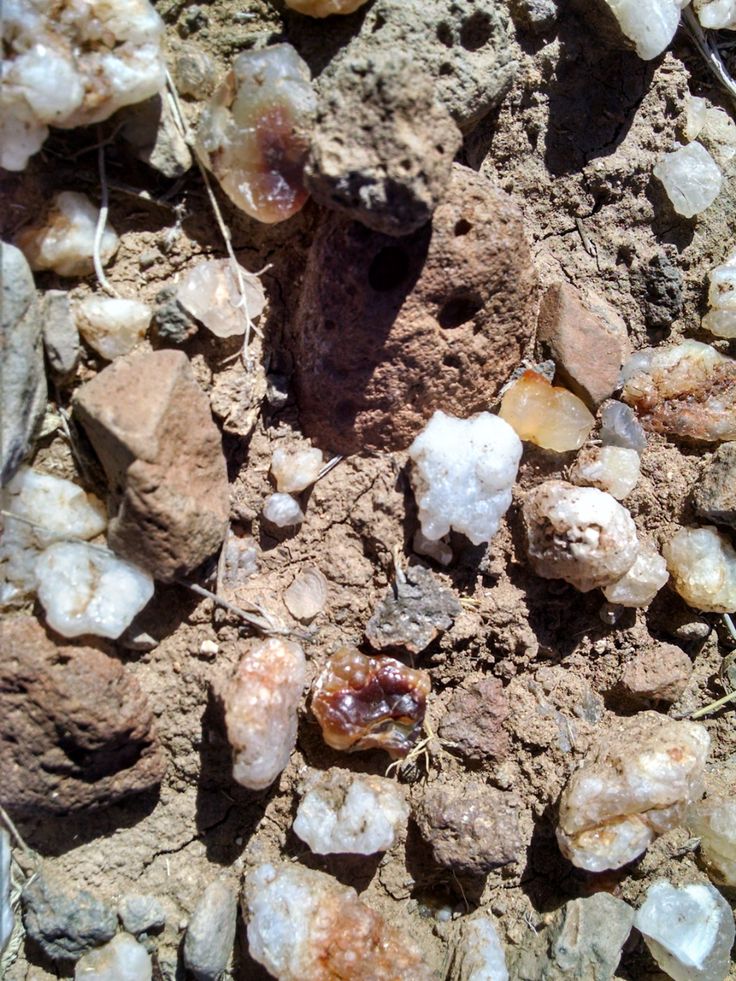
351, 813
295, 470
64, 240
463, 473
112, 327
637, 785
7, 920
579, 534
71, 63
715, 128
716, 14
283, 510
702, 563
122, 959
261, 703
721, 317
222, 298
642, 582
479, 954
691, 178
649, 24
688, 929
614, 469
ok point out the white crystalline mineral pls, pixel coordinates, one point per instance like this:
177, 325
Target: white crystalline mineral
639, 586
638, 784
122, 959
295, 470
479, 954
211, 293
463, 473
702, 563
579, 534
714, 127
438, 550
283, 510
713, 820
72, 64
691, 178
614, 469
352, 813
716, 14
7, 920
112, 326
261, 703
64, 241
688, 929
85, 590
721, 317
650, 24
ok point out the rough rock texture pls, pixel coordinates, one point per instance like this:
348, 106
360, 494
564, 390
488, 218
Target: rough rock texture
60, 334
151, 427
151, 131
472, 828
388, 329
65, 924
660, 672
77, 730
141, 914
412, 612
22, 374
586, 338
715, 494
208, 944
473, 722
394, 169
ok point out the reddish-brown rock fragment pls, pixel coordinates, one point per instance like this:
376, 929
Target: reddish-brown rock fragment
151, 427
390, 329
473, 722
76, 729
659, 673
586, 338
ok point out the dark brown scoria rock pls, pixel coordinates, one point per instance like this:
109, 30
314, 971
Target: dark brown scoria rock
151, 426
390, 329
473, 722
471, 828
412, 613
76, 731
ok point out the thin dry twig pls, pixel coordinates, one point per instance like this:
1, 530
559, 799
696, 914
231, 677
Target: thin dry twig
260, 618
101, 223
707, 709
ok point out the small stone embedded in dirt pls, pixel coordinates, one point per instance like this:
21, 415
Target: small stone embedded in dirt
77, 730
350, 813
60, 334
637, 784
123, 959
23, 395
65, 924
261, 702
112, 326
546, 415
236, 396
141, 914
702, 563
586, 338
640, 584
283, 510
414, 610
688, 390
210, 291
194, 72
614, 469
470, 827
688, 929
7, 916
716, 14
307, 595
478, 953
151, 131
254, 132
621, 428
473, 721
721, 317
463, 473
303, 925
658, 287
370, 702
210, 936
691, 178
434, 320
392, 172
151, 427
64, 240
173, 324
659, 672
578, 534
295, 470
536, 16
324, 8
715, 494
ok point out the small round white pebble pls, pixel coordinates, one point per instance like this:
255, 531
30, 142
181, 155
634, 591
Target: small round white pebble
122, 959
283, 511
691, 178
111, 326
702, 563
639, 586
295, 470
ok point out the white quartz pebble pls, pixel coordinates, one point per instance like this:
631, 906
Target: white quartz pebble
702, 563
210, 291
688, 929
614, 469
721, 317
112, 326
122, 959
713, 820
479, 954
639, 586
649, 24
85, 590
295, 470
716, 14
620, 427
691, 178
64, 239
283, 510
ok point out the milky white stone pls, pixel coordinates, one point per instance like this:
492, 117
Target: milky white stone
713, 820
479, 954
72, 64
295, 470
721, 317
463, 473
650, 24
283, 510
112, 326
688, 929
620, 427
211, 293
702, 563
716, 14
351, 813
85, 590
261, 703
691, 178
438, 550
579, 534
307, 595
714, 127
7, 920
122, 959
614, 469
64, 241
639, 586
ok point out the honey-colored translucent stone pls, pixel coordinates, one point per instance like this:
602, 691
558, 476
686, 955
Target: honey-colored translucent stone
545, 414
324, 8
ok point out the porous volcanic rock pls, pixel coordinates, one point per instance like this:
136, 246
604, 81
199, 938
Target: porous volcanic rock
151, 427
390, 329
76, 729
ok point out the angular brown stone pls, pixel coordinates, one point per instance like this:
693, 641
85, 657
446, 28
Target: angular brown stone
715, 495
76, 730
151, 426
586, 338
390, 329
473, 722
660, 672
